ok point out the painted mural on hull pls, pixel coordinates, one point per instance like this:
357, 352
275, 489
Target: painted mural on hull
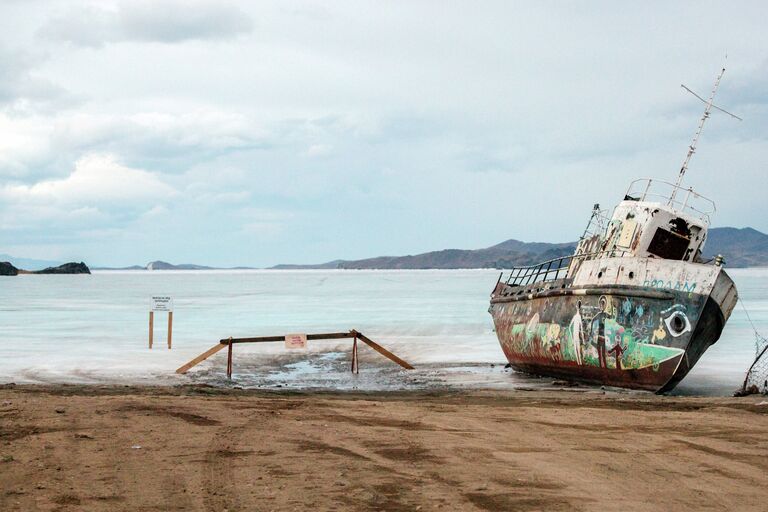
609, 334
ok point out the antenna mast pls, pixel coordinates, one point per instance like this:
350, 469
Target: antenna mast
692, 148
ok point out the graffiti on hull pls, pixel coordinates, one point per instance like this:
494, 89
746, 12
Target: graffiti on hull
677, 286
616, 333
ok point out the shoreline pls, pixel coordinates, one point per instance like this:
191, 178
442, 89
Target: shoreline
75, 447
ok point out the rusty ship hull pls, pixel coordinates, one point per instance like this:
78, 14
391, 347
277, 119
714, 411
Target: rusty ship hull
642, 332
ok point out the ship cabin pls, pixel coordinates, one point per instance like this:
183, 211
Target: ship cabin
656, 219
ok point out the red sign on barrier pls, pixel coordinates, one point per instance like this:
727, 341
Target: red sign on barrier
295, 341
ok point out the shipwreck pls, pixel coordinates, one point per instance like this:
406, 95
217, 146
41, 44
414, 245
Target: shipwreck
635, 306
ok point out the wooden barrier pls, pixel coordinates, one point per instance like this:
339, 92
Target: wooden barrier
355, 335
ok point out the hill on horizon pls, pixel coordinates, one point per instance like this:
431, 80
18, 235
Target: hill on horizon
745, 247
505, 254
741, 247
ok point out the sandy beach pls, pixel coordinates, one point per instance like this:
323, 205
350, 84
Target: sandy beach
200, 448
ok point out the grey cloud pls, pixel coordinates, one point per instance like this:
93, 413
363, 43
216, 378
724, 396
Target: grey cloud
20, 90
165, 22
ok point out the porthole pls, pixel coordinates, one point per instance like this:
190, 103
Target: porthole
631, 275
678, 323
600, 274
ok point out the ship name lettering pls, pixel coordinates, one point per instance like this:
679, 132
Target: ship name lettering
683, 286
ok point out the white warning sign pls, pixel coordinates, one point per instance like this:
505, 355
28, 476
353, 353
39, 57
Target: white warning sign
161, 303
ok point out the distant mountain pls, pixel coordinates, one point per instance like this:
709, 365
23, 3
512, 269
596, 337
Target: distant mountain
132, 267
158, 265
745, 247
29, 263
331, 264
164, 265
503, 255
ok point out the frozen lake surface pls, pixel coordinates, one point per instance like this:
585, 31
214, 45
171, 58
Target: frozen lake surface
93, 329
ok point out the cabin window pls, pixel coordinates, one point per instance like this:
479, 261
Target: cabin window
668, 245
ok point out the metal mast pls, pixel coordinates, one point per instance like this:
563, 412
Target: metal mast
692, 148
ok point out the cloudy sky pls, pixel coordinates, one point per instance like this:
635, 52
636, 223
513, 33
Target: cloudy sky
254, 133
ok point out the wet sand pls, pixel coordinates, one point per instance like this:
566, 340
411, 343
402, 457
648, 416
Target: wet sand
198, 448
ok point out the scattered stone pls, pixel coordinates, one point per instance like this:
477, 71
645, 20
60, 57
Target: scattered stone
6, 458
83, 436
60, 411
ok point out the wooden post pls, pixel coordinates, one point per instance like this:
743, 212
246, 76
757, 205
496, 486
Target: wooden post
355, 365
229, 360
151, 327
170, 328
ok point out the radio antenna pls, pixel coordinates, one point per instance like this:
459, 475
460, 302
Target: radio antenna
692, 148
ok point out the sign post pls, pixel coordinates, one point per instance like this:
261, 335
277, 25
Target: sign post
151, 326
160, 303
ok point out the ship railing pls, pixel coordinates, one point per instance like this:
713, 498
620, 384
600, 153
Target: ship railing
680, 198
552, 270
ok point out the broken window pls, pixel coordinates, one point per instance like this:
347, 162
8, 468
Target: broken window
668, 245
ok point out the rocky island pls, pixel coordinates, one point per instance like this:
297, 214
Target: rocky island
7, 269
67, 268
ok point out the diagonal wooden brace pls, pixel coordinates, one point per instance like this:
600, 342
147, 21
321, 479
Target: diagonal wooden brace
381, 350
202, 357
